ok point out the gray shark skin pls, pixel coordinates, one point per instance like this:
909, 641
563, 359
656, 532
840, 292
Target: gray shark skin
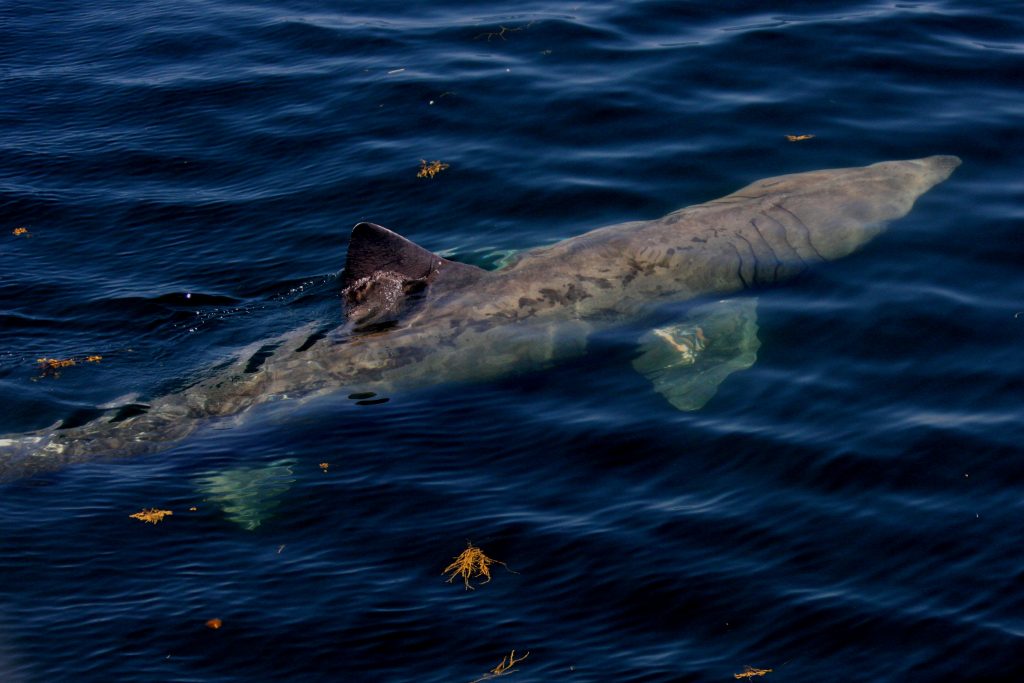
416, 319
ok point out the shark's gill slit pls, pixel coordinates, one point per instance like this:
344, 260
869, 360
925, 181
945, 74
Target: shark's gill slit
771, 249
756, 278
739, 266
794, 256
806, 231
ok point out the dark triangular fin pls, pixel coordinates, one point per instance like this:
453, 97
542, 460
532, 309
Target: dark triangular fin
373, 249
383, 269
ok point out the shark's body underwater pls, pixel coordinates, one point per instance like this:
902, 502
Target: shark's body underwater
415, 318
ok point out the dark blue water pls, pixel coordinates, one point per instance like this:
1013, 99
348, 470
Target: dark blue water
849, 509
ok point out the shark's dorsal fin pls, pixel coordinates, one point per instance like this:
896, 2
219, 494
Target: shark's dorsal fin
373, 248
383, 268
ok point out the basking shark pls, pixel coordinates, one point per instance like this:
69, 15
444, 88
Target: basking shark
414, 318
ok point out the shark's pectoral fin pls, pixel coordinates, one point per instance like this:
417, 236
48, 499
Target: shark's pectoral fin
688, 361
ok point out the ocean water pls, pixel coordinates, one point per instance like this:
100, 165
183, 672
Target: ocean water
851, 508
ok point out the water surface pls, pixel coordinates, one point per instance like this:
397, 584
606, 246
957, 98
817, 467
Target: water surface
848, 509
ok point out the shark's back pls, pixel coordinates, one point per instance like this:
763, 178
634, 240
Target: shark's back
764, 233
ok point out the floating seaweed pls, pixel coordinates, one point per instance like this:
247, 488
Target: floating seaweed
51, 367
798, 138
751, 672
505, 667
151, 515
429, 169
18, 232
471, 563
214, 624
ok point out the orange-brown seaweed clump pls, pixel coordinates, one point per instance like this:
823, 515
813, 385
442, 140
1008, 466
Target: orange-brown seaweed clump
505, 667
429, 169
471, 563
151, 515
751, 672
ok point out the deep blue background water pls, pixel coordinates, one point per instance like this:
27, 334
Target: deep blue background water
849, 509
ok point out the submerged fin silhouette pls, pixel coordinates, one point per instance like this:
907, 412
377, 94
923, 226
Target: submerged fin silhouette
687, 362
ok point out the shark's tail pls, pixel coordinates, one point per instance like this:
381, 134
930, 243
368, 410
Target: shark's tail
50, 449
16, 449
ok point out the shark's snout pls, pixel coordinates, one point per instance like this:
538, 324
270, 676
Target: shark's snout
939, 167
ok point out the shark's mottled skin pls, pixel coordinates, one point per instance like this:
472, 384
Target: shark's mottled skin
451, 322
